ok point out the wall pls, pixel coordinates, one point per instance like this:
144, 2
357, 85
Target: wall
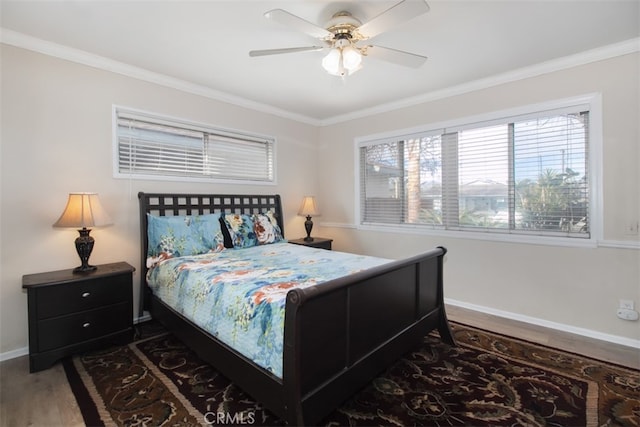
56, 138
577, 289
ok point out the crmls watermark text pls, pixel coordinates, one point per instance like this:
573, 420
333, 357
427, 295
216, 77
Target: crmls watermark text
224, 418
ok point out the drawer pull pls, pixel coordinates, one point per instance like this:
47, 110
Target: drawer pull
86, 294
86, 325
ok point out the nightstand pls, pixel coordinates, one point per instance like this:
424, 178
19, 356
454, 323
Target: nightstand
317, 242
75, 312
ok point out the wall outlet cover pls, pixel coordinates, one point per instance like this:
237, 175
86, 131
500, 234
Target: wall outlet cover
625, 314
626, 304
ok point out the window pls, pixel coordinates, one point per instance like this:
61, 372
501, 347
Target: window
525, 174
149, 146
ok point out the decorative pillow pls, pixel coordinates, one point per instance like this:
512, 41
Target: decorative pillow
173, 236
241, 230
266, 228
228, 241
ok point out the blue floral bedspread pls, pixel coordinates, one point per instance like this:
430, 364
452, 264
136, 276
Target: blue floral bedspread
238, 295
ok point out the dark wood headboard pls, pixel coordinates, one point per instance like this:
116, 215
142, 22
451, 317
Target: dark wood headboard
172, 204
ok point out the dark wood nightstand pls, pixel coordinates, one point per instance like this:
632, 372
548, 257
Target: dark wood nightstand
74, 312
317, 242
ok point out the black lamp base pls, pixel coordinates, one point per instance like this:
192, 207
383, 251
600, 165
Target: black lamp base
84, 268
308, 225
84, 246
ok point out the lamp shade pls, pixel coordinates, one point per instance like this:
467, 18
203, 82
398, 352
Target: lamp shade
308, 207
83, 210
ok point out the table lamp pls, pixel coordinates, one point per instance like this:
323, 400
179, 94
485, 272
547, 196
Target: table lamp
308, 208
83, 210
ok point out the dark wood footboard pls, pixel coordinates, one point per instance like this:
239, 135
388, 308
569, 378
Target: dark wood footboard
341, 334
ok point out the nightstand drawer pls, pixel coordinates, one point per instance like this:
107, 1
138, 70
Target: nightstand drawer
52, 301
67, 330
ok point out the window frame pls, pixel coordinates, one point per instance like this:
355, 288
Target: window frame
192, 126
593, 103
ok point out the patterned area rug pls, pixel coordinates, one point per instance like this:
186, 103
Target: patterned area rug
487, 380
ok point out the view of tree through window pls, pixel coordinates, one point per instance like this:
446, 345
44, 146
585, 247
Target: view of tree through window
524, 176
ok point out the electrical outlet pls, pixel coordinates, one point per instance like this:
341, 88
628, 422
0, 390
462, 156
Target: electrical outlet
625, 314
631, 228
626, 304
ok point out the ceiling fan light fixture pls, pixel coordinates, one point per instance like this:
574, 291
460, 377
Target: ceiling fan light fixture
351, 58
344, 34
342, 61
331, 62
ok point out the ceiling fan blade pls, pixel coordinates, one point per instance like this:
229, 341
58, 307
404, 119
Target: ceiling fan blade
284, 50
293, 21
397, 14
396, 56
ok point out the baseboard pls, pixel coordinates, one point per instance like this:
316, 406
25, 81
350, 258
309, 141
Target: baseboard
629, 342
145, 316
12, 354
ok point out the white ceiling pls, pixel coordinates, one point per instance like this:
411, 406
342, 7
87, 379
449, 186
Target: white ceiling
203, 46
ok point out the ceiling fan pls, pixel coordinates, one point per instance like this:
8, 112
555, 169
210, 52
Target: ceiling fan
346, 37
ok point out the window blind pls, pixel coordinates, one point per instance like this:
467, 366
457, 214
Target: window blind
520, 175
151, 146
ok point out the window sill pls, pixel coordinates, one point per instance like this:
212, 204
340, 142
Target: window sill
518, 239
488, 236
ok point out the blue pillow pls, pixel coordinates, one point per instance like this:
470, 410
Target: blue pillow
241, 230
173, 236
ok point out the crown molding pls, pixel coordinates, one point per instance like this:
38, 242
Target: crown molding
599, 54
45, 47
24, 41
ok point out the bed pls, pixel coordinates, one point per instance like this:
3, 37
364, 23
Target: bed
337, 335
